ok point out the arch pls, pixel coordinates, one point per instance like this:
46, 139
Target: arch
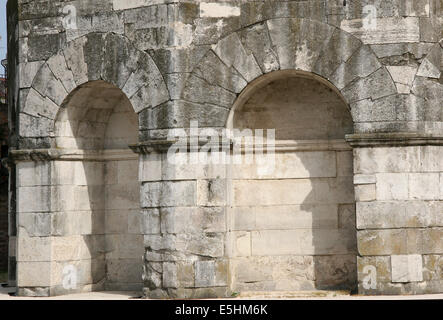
288, 44
297, 208
95, 56
96, 116
97, 188
266, 79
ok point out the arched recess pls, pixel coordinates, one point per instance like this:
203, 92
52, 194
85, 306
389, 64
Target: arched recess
288, 44
97, 205
96, 56
294, 223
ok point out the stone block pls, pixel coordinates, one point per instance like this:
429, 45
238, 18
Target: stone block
124, 271
76, 247
150, 221
337, 271
387, 242
37, 105
431, 240
211, 273
377, 85
230, 50
27, 72
192, 220
302, 242
242, 244
271, 192
430, 159
158, 194
376, 268
33, 199
215, 72
284, 35
407, 268
256, 41
218, 10
211, 193
297, 165
341, 47
31, 174
36, 224
123, 196
150, 167
28, 277
59, 68
33, 249
365, 193
362, 63
388, 30
48, 86
364, 179
292, 217
403, 74
124, 246
424, 186
347, 217
387, 160
392, 186
345, 163
432, 267
200, 91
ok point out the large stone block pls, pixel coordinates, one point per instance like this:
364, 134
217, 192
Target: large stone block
302, 242
230, 50
395, 214
165, 194
321, 164
192, 220
424, 186
387, 30
399, 241
392, 186
212, 273
286, 217
256, 41
28, 277
407, 268
387, 160
373, 273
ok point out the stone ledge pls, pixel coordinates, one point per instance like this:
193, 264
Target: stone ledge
228, 144
70, 155
393, 139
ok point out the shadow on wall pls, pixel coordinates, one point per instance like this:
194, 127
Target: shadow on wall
301, 218
98, 194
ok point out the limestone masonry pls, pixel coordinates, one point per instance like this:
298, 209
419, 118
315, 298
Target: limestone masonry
354, 200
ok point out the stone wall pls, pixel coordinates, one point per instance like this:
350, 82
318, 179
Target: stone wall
178, 61
4, 242
399, 217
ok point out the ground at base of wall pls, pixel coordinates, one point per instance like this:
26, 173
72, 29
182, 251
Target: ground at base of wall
317, 295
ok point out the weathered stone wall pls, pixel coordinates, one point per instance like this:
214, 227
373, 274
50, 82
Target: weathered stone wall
178, 61
399, 217
4, 241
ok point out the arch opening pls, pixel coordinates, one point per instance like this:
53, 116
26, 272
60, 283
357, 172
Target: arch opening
98, 187
295, 225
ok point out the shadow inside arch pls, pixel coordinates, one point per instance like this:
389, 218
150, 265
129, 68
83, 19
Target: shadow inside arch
97, 195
